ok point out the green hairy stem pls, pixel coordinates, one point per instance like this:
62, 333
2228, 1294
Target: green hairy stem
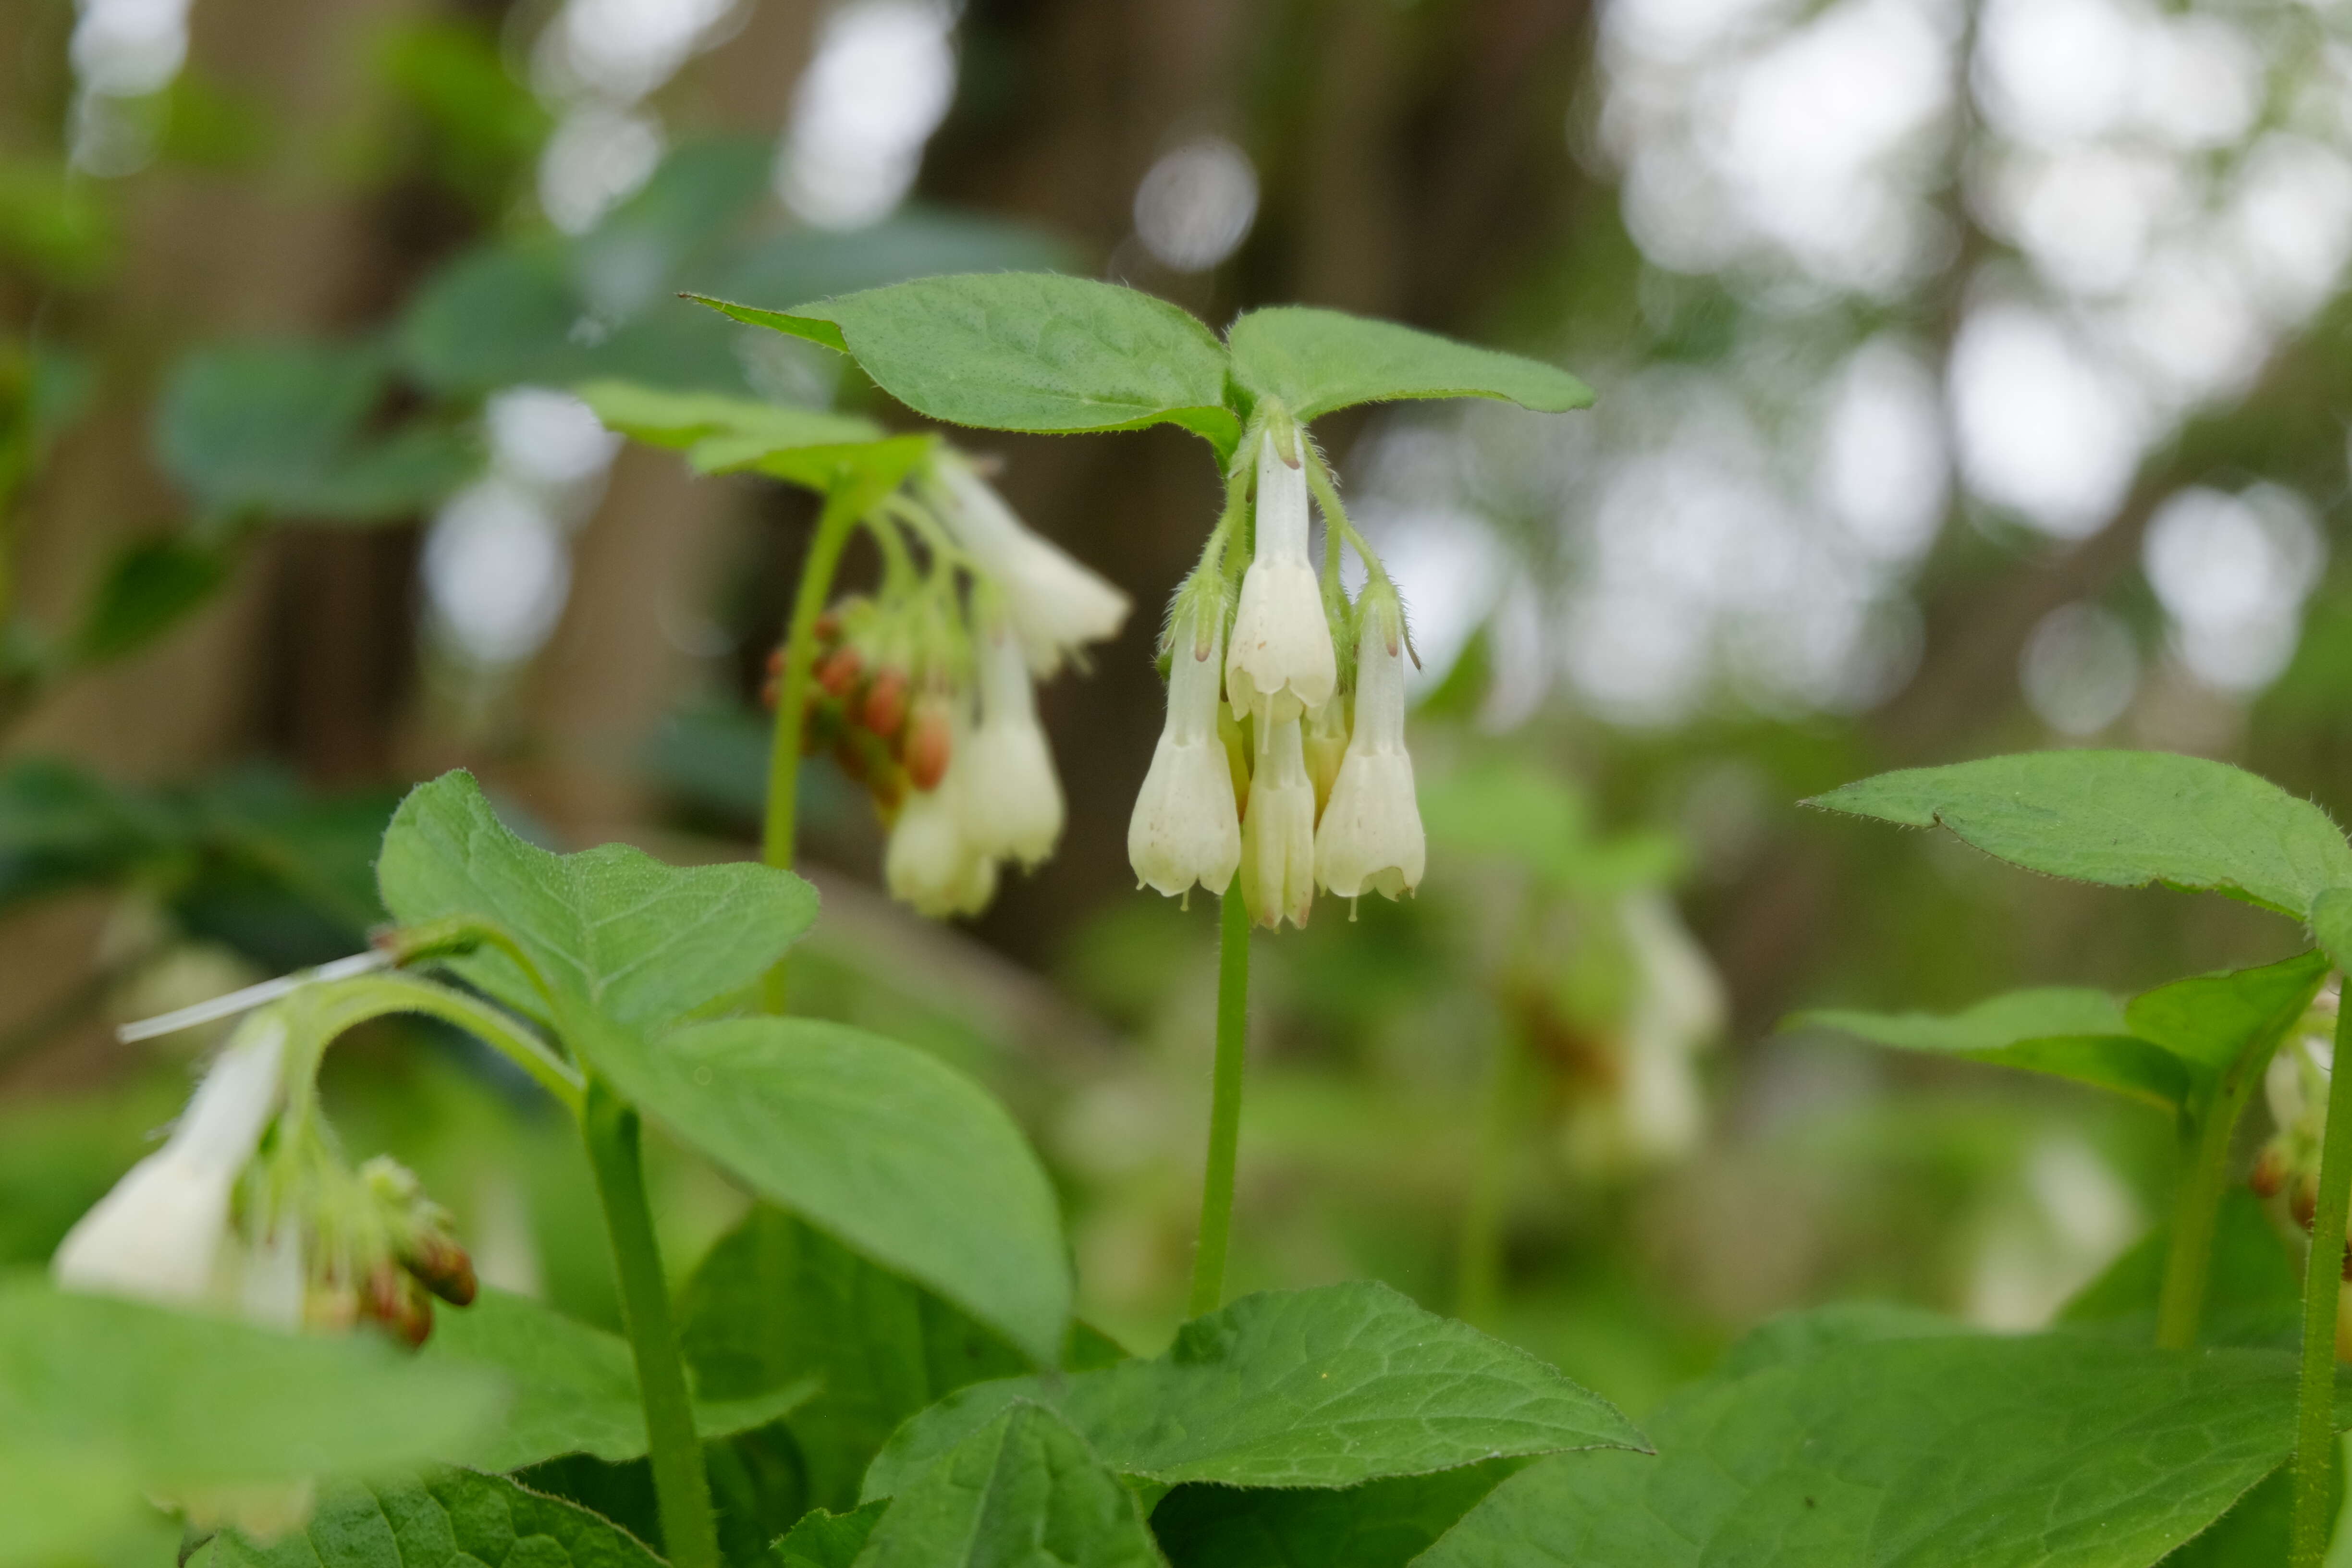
2188, 1263
1225, 1104
834, 527
2315, 1446
681, 1485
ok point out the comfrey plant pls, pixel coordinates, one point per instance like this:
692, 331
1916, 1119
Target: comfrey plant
2198, 1049
880, 1367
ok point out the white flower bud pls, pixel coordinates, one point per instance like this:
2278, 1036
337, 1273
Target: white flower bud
1056, 605
1370, 840
929, 862
1186, 827
1278, 830
1012, 801
1679, 1012
159, 1235
1281, 662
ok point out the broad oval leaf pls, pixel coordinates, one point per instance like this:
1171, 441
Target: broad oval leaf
1024, 350
453, 1518
1024, 1489
777, 1301
570, 1388
2065, 1031
117, 1399
822, 1539
2125, 819
2212, 1020
1328, 1387
1948, 1451
1316, 361
686, 421
900, 1156
612, 930
1381, 1524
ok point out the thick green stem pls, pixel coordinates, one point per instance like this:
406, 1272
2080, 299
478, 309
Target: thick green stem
2314, 1448
349, 1003
1479, 1262
681, 1485
1225, 1105
834, 524
2188, 1262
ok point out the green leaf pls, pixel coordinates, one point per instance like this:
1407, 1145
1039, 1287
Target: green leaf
1316, 360
615, 933
149, 587
112, 1400
1328, 1387
279, 428
2254, 1294
1024, 350
2331, 923
570, 1388
825, 1540
2064, 1031
2053, 1451
449, 1519
2165, 1047
1800, 1336
854, 475
2211, 1020
1021, 1492
888, 1149
686, 421
2125, 819
777, 1301
1381, 1524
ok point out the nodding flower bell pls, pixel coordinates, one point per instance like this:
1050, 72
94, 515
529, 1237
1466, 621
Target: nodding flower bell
1056, 605
162, 1234
1371, 837
1187, 828
930, 862
1278, 830
1281, 662
1012, 803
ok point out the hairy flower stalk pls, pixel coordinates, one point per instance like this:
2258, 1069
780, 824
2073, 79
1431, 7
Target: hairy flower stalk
1277, 867
1056, 605
1012, 803
163, 1235
1187, 828
1370, 838
1281, 662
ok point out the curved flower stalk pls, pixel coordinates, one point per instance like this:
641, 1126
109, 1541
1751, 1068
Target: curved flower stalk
1370, 838
1280, 662
1186, 828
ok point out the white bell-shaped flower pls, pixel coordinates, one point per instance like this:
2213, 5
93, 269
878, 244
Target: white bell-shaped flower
1187, 826
1056, 605
1679, 1012
1370, 840
1012, 801
1278, 830
1281, 662
930, 863
161, 1235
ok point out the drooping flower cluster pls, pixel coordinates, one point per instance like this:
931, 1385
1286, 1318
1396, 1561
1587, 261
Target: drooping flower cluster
1291, 769
926, 688
248, 1210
